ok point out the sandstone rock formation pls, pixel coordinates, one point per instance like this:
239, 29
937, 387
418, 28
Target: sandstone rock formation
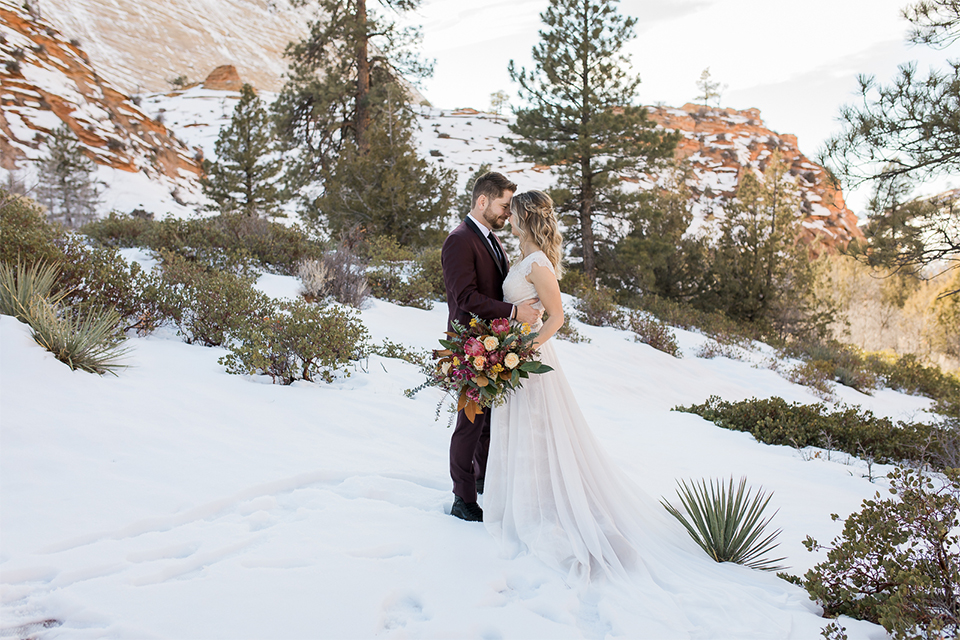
223, 78
721, 144
49, 80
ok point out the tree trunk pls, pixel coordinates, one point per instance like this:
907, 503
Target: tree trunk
586, 175
363, 80
586, 220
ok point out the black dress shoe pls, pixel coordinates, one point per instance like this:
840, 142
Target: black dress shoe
469, 511
480, 485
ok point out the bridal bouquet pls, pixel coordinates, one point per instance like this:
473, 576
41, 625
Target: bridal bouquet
483, 362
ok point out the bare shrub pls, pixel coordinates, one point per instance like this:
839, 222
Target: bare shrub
343, 278
651, 331
713, 349
314, 277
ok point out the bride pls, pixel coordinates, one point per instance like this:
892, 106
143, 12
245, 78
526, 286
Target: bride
552, 491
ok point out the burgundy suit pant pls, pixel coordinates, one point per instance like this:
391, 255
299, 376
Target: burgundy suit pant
469, 446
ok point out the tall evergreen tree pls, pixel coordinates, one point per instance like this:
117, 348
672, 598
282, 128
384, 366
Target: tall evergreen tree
656, 255
66, 184
245, 176
389, 190
336, 73
583, 118
903, 133
760, 269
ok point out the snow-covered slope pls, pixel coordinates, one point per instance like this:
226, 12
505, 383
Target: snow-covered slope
177, 501
48, 82
140, 45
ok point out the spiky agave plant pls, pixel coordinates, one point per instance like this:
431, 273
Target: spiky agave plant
88, 342
728, 524
20, 285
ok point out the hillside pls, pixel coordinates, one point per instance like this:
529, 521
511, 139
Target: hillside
179, 501
49, 81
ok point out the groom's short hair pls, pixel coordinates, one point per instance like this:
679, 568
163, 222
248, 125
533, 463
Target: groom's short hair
492, 185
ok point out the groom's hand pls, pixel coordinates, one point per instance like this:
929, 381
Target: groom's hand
526, 312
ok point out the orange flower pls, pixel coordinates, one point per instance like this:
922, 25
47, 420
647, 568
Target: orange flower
479, 363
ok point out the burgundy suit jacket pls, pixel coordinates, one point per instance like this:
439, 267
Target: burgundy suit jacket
472, 277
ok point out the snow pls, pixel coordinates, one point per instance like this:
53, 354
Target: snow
177, 501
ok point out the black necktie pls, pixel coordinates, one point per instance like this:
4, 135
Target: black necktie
496, 249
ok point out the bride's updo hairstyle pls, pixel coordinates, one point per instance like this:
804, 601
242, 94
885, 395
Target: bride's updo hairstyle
535, 219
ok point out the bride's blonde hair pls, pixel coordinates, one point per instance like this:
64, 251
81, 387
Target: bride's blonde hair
535, 219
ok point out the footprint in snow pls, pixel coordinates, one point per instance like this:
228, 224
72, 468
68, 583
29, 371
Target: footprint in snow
400, 608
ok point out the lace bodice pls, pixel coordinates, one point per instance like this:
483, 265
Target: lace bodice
516, 288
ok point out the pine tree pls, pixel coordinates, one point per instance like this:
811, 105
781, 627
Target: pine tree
498, 100
583, 118
760, 269
656, 255
245, 175
336, 74
389, 190
709, 89
66, 185
905, 133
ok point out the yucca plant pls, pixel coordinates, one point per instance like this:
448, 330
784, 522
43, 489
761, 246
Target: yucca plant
88, 342
21, 285
728, 524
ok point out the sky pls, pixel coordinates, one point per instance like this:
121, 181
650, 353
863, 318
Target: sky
797, 63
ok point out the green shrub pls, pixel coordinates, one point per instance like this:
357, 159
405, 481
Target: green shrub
728, 524
598, 307
651, 331
390, 349
773, 421
816, 374
721, 328
99, 277
430, 270
218, 239
25, 235
568, 332
207, 305
119, 230
298, 341
274, 245
834, 362
395, 274
897, 562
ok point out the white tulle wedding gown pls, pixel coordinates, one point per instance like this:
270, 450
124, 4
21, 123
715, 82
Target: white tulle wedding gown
552, 491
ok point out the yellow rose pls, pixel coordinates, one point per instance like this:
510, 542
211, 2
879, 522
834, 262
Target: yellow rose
512, 360
479, 362
490, 343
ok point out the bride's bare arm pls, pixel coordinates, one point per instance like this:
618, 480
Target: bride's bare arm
548, 290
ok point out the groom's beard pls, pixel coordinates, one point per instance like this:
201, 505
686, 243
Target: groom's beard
494, 219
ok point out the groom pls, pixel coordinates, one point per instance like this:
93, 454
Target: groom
474, 267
